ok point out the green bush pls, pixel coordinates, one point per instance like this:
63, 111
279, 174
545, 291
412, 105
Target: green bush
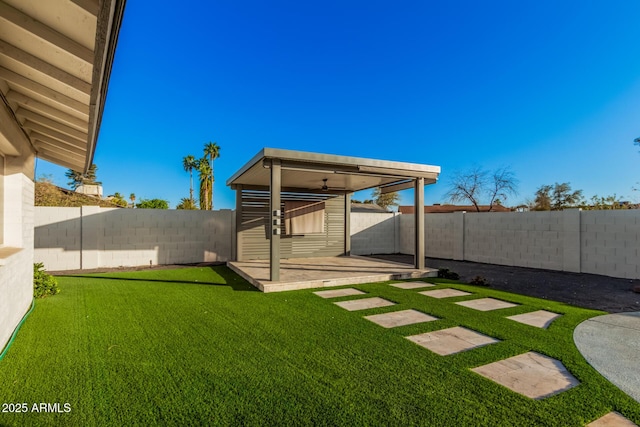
44, 284
444, 273
479, 281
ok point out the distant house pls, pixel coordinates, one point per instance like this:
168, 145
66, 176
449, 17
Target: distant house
90, 190
437, 208
367, 208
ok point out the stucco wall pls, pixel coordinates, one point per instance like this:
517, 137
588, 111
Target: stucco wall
93, 237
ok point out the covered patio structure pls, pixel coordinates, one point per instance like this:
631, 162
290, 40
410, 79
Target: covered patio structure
293, 207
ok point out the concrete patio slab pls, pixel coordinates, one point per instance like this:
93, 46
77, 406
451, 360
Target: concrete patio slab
364, 303
335, 293
444, 293
309, 273
400, 318
611, 344
486, 304
539, 319
612, 419
452, 340
530, 374
412, 285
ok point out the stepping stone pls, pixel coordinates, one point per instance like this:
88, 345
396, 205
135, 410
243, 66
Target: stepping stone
444, 293
530, 374
539, 319
335, 293
400, 318
612, 419
452, 340
364, 303
412, 285
486, 304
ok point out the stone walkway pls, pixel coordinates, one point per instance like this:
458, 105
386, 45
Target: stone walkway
530, 374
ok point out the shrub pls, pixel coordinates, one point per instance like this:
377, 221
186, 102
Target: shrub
44, 284
479, 281
444, 273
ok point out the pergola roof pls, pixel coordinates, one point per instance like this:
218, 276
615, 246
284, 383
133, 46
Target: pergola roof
305, 171
55, 63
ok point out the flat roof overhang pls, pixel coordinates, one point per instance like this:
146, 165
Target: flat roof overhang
55, 62
306, 171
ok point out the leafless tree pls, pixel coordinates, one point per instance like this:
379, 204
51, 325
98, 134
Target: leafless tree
477, 184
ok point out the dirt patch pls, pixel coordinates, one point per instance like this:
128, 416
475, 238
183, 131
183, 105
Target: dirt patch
610, 294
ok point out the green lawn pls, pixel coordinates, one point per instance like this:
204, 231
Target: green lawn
199, 346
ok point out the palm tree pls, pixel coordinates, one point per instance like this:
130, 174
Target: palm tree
212, 149
132, 197
204, 171
189, 163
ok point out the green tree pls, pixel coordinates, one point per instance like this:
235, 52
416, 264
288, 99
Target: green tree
211, 149
605, 203
189, 163
204, 172
557, 197
477, 184
132, 197
78, 178
119, 200
385, 200
187, 204
153, 204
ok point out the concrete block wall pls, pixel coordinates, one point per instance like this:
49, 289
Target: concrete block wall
439, 232
375, 233
16, 270
532, 239
94, 237
597, 242
610, 243
59, 232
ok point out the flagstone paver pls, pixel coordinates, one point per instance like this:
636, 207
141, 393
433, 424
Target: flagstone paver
486, 304
412, 285
335, 293
452, 340
364, 303
531, 374
444, 293
400, 318
539, 319
612, 419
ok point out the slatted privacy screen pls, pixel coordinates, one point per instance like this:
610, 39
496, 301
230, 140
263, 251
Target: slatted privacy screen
321, 231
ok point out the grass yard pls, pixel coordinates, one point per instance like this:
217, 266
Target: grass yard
200, 346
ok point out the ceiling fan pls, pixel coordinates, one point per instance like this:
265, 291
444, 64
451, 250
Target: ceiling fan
325, 187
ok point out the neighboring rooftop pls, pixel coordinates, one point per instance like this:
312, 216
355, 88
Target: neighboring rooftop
367, 208
454, 208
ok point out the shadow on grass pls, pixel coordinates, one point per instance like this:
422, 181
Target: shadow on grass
231, 280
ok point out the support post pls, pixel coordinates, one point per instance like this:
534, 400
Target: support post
275, 217
347, 224
238, 231
419, 223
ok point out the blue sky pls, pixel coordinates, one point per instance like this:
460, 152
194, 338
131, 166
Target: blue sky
550, 89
